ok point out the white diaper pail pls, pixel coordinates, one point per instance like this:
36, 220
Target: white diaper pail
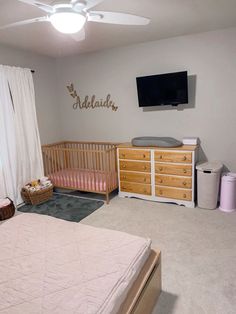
228, 192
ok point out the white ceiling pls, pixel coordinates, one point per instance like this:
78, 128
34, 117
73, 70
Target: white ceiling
169, 18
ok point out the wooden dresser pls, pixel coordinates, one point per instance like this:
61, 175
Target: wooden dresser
157, 174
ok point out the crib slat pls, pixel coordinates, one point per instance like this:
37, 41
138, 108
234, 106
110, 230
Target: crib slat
52, 162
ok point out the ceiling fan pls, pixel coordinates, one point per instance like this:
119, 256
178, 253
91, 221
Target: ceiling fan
69, 17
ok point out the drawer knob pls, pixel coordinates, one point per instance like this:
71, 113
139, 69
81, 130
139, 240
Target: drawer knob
160, 168
184, 183
144, 191
184, 170
144, 179
144, 156
160, 192
184, 158
160, 157
145, 167
184, 195
123, 166
160, 181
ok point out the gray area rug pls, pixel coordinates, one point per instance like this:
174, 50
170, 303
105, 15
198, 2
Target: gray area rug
65, 207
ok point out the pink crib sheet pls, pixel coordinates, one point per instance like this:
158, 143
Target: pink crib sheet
82, 179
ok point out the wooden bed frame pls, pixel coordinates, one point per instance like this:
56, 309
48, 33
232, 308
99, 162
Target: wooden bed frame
145, 291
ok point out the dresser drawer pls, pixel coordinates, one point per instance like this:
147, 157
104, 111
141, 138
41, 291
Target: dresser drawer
180, 194
177, 157
135, 166
179, 182
134, 154
135, 177
135, 188
182, 170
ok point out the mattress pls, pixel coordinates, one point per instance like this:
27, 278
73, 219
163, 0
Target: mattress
52, 266
83, 179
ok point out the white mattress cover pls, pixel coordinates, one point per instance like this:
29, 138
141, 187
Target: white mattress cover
48, 266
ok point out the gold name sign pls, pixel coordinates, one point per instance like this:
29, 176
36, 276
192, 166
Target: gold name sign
90, 102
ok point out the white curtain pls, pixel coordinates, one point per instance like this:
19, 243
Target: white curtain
23, 149
8, 155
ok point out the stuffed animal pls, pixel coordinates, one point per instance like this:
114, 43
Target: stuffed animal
37, 185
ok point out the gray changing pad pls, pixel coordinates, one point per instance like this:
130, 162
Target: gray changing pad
156, 141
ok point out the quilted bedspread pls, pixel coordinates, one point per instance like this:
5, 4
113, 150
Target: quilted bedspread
48, 266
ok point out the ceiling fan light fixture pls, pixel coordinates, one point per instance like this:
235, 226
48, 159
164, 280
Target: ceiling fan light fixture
67, 22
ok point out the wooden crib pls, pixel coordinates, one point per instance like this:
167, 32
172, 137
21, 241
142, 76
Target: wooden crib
84, 166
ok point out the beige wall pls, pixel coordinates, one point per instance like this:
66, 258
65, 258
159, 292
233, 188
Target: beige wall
211, 114
44, 82
208, 57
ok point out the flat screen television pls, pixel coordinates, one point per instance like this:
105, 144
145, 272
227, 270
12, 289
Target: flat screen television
163, 89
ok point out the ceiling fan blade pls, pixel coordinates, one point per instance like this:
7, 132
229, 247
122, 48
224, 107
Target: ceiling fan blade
91, 3
79, 36
25, 22
45, 7
117, 18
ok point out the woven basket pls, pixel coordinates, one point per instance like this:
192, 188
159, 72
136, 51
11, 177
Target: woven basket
8, 211
36, 197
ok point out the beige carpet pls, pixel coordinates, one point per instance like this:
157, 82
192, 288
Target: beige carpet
198, 252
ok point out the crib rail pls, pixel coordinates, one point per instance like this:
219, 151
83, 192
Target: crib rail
88, 166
